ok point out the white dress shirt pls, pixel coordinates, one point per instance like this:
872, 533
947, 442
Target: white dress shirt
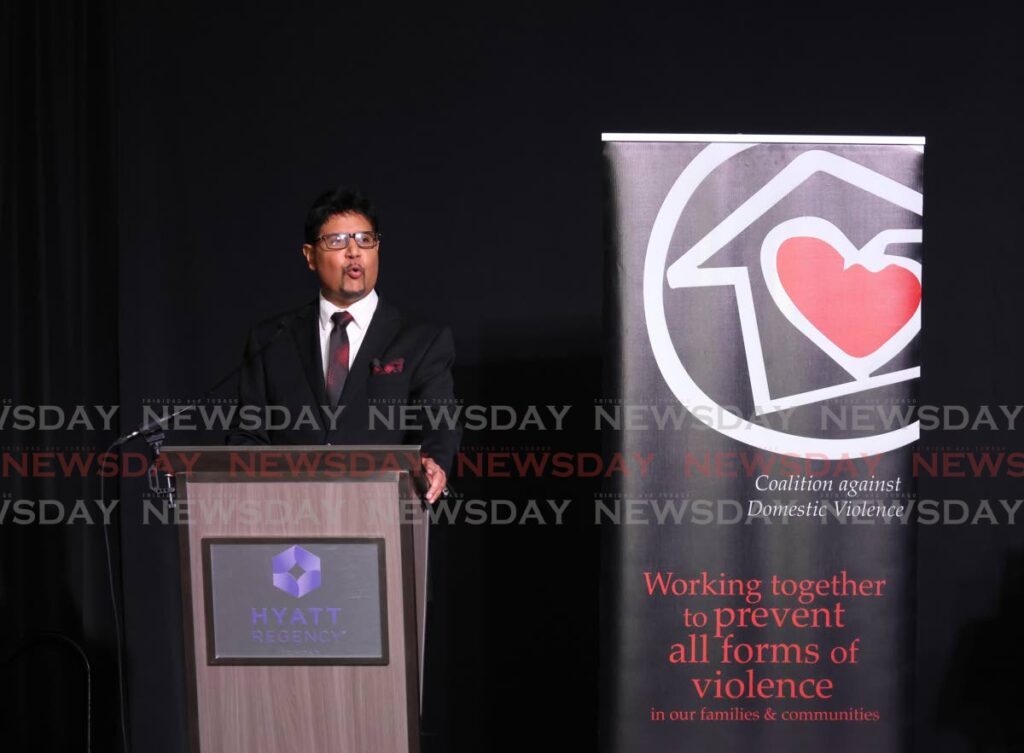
362, 312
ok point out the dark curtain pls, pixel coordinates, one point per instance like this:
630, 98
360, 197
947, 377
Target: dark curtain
58, 239
229, 122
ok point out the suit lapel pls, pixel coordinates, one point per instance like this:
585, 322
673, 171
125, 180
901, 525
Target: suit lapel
306, 333
382, 330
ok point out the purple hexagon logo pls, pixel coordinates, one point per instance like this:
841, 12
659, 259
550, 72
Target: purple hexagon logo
296, 571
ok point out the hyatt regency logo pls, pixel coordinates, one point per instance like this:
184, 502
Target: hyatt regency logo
296, 571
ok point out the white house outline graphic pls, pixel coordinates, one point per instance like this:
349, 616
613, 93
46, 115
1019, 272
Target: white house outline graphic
685, 272
678, 379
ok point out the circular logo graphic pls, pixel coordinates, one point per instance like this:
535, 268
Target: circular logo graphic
657, 272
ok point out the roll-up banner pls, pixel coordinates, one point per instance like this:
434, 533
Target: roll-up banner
758, 581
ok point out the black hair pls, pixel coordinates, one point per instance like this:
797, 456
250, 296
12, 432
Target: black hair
339, 201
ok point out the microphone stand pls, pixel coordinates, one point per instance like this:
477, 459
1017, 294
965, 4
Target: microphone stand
161, 483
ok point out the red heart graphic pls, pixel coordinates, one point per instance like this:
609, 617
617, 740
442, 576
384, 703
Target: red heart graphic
857, 309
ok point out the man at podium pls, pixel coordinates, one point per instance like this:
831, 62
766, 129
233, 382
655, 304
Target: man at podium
348, 361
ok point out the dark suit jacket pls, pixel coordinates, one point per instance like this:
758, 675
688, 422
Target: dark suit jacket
283, 367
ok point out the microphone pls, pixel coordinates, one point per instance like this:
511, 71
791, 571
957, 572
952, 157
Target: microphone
154, 427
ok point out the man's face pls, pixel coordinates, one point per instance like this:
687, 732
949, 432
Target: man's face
348, 274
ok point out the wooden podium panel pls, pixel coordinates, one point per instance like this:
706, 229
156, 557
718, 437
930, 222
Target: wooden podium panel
256, 708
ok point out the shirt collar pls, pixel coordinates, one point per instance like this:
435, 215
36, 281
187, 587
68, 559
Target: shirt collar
361, 311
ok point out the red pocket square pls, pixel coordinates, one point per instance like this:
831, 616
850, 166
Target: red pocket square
391, 367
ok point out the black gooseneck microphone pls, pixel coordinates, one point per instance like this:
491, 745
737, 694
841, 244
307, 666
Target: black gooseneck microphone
151, 428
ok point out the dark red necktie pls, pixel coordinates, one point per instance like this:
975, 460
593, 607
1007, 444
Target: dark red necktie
337, 355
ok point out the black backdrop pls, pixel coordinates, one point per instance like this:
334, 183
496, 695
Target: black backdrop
158, 159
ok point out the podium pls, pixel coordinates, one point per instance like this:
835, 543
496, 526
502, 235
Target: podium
304, 574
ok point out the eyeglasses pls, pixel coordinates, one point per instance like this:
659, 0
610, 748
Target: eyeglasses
339, 241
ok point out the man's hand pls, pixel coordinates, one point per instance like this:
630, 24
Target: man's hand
436, 478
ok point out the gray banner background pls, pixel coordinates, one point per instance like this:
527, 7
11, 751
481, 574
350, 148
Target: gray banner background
637, 631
